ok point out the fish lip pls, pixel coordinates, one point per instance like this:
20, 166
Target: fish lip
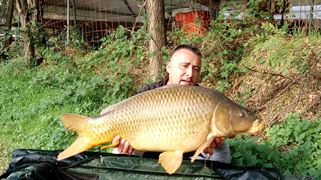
258, 127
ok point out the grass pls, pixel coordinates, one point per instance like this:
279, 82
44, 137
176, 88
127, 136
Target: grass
32, 99
29, 112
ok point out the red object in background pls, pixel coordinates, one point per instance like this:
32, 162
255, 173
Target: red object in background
193, 21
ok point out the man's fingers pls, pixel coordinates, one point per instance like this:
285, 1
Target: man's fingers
217, 142
208, 150
214, 143
116, 139
126, 147
130, 150
121, 145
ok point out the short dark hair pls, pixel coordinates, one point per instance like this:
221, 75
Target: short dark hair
190, 47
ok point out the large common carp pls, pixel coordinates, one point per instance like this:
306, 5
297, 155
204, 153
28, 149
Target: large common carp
172, 120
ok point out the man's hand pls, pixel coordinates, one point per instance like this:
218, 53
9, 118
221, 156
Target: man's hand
123, 147
215, 143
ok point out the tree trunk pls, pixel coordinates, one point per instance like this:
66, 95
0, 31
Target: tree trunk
10, 13
156, 27
8, 38
29, 12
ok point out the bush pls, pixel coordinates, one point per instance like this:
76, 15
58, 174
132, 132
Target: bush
292, 147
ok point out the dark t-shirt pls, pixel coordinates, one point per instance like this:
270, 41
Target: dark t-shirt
154, 85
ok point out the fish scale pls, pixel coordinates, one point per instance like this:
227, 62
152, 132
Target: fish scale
172, 120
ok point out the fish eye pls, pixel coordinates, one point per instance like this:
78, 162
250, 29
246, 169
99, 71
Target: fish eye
242, 114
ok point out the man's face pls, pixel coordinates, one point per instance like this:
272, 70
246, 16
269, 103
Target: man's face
184, 68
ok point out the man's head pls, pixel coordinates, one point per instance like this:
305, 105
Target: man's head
185, 66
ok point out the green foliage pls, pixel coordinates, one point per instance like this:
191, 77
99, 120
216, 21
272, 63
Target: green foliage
33, 99
14, 50
25, 106
225, 49
275, 51
253, 9
222, 49
292, 147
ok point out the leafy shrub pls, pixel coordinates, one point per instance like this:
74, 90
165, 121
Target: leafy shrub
278, 52
292, 147
222, 46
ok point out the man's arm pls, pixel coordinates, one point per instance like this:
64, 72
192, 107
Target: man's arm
153, 85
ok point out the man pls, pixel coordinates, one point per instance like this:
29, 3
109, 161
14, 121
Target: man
184, 69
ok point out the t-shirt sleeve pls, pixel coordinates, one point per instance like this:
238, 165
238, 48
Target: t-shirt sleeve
152, 86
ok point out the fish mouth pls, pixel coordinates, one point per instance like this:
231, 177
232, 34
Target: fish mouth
257, 128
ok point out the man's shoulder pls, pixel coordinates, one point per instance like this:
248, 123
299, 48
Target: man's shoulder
153, 85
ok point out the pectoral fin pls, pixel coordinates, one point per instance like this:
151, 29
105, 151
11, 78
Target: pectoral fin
200, 149
171, 161
109, 146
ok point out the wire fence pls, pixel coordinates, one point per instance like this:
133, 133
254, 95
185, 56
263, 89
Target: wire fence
91, 20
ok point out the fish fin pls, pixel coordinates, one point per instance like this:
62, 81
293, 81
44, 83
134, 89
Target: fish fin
74, 122
81, 144
109, 146
202, 147
171, 160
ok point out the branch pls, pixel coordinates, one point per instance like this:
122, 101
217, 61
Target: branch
138, 15
265, 72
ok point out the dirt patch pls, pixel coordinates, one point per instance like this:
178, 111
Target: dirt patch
275, 96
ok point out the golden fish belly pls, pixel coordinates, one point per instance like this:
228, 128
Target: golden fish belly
185, 134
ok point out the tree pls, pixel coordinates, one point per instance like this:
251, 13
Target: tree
8, 38
3, 10
156, 27
30, 14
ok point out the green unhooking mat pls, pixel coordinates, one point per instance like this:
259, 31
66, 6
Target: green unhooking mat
37, 164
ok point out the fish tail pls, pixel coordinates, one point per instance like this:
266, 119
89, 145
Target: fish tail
80, 145
79, 124
75, 122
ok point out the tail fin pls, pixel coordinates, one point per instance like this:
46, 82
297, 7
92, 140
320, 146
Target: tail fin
80, 145
76, 123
